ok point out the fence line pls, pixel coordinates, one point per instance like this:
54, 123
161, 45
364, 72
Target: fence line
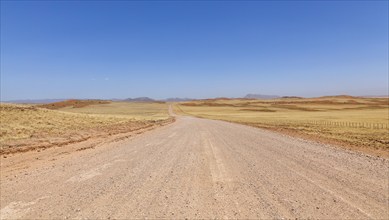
344, 124
335, 123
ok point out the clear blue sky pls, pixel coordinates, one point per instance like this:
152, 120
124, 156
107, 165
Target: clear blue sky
120, 49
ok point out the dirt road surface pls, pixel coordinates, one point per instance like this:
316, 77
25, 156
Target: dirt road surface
197, 168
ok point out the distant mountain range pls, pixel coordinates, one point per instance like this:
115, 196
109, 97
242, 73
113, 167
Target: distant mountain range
139, 99
176, 99
147, 99
260, 96
35, 101
375, 96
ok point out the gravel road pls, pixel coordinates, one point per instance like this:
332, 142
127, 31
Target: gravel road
197, 168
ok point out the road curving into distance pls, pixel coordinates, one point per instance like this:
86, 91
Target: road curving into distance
199, 168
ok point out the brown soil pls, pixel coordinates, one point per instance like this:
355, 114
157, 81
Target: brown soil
73, 103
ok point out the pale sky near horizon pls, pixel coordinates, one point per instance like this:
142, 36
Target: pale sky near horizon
196, 49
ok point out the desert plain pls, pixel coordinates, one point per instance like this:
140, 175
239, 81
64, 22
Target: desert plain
289, 157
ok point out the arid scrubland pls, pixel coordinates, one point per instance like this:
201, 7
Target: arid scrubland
133, 110
354, 123
26, 127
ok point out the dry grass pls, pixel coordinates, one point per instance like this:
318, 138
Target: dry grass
357, 123
133, 110
28, 126
72, 103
